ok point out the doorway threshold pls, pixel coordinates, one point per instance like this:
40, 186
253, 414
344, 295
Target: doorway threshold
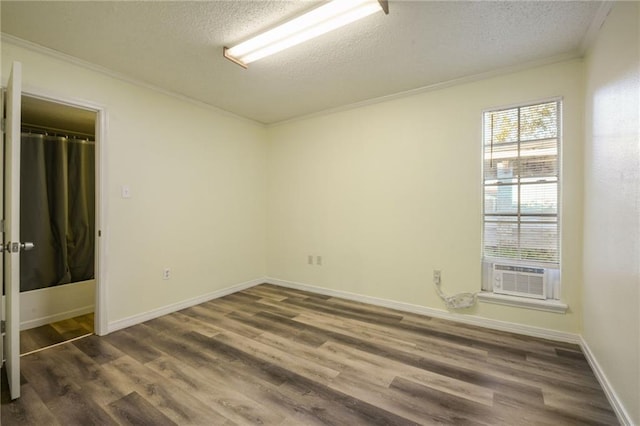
49, 335
55, 345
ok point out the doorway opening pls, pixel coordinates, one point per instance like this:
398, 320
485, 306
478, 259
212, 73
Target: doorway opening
58, 205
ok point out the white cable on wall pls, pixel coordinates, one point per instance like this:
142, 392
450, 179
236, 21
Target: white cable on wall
457, 301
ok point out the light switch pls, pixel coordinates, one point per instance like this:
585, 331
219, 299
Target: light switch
125, 191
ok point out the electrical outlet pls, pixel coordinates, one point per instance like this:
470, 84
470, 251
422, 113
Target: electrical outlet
310, 259
319, 260
166, 273
437, 277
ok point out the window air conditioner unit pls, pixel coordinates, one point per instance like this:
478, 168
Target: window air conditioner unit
519, 281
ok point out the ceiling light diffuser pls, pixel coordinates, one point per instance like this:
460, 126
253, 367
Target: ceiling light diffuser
321, 20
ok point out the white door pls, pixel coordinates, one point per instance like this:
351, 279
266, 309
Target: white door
11, 244
2, 96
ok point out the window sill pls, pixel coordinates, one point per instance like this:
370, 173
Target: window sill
523, 302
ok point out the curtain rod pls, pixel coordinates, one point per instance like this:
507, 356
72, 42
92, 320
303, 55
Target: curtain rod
54, 131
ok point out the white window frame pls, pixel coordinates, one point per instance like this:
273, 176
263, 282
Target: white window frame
552, 302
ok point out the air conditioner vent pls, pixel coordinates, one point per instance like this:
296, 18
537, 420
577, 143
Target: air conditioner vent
519, 281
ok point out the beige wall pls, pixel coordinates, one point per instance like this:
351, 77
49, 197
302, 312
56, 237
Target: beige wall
197, 182
612, 204
385, 193
388, 192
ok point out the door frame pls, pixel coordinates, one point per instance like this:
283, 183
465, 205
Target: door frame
100, 312
3, 310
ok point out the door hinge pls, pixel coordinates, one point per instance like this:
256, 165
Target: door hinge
3, 124
3, 326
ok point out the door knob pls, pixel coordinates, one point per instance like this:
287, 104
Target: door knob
11, 247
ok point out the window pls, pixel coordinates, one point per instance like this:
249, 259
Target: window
521, 183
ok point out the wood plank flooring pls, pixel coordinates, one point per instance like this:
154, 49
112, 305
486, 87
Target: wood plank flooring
54, 333
276, 356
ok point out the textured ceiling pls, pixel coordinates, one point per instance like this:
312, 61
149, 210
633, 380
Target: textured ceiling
178, 46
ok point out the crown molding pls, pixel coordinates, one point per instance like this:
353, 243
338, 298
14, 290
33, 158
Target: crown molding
595, 25
576, 54
34, 47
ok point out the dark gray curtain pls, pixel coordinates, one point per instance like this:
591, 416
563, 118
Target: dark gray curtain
57, 210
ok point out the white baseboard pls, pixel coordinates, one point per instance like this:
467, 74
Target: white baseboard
621, 413
51, 304
37, 322
612, 396
437, 313
619, 409
155, 313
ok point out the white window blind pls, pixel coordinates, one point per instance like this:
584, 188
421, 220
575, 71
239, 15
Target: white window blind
521, 183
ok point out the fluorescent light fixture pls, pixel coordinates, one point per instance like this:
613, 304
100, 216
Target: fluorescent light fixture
321, 20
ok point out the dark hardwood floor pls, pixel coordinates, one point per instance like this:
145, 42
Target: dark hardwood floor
57, 332
276, 356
